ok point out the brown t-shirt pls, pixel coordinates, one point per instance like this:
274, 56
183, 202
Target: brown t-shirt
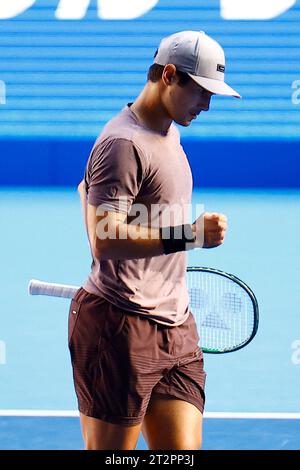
132, 165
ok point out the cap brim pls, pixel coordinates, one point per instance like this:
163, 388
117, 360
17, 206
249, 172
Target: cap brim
215, 86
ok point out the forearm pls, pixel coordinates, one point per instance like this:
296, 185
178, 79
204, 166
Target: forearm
112, 238
128, 242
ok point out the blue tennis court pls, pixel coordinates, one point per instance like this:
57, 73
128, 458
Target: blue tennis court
41, 238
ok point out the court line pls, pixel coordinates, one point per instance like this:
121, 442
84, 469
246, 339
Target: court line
209, 414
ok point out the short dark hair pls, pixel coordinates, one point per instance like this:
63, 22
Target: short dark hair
155, 73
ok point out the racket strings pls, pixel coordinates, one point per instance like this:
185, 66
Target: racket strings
222, 309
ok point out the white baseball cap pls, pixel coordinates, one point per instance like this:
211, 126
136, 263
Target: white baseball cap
200, 56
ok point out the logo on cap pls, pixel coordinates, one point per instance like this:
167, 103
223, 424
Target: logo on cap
221, 68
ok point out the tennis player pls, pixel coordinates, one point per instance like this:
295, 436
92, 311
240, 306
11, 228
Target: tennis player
133, 341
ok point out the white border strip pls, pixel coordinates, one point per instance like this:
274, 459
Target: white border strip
209, 414
41, 413
225, 415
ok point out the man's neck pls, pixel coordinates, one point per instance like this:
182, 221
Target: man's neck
149, 109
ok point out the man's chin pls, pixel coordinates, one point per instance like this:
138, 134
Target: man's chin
184, 123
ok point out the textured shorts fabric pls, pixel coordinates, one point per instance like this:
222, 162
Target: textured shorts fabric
120, 360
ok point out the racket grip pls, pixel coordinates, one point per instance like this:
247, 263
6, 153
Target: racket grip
37, 287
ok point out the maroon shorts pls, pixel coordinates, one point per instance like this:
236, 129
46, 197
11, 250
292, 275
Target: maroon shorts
120, 360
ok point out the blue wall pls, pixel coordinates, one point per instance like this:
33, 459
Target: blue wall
62, 79
215, 163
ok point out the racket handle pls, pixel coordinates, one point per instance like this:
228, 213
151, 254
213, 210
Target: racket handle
36, 287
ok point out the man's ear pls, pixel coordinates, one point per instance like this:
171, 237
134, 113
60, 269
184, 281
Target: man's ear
169, 73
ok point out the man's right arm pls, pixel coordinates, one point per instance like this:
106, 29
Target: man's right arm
113, 189
112, 238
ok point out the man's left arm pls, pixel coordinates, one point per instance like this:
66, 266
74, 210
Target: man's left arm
82, 194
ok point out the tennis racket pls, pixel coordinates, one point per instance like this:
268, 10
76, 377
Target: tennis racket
225, 308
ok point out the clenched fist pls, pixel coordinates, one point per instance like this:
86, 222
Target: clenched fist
209, 229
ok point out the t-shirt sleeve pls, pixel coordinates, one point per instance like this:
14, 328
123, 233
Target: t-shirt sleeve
114, 175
